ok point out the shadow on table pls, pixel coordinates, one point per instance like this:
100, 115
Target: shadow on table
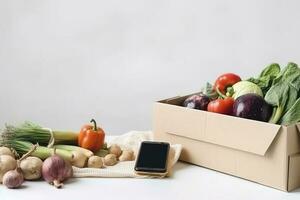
295, 191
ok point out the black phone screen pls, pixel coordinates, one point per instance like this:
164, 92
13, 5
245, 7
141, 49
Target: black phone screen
152, 157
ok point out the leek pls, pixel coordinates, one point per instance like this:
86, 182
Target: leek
34, 133
22, 147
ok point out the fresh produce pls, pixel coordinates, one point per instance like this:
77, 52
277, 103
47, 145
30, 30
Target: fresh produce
41, 152
55, 170
284, 92
244, 87
222, 106
14, 178
226, 80
86, 152
95, 162
209, 91
115, 149
279, 88
79, 159
101, 153
252, 106
91, 137
110, 159
199, 102
127, 155
33, 133
6, 151
266, 77
7, 163
292, 115
31, 168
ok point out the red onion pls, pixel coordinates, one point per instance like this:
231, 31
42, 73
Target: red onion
55, 170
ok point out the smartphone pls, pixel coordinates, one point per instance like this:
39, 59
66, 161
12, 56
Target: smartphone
152, 158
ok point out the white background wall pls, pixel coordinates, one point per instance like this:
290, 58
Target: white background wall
65, 61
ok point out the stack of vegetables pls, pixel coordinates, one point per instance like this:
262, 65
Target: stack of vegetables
273, 96
51, 154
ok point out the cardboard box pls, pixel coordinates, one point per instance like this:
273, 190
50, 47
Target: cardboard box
265, 153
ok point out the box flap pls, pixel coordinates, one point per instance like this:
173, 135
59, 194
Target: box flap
237, 133
243, 134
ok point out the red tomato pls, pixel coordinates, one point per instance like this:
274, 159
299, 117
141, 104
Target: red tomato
222, 106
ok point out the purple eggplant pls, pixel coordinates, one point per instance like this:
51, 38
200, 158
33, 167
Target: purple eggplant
252, 106
199, 102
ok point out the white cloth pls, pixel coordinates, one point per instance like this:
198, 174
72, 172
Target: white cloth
130, 140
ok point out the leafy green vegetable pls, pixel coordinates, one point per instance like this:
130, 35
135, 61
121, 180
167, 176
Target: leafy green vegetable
284, 91
281, 96
271, 70
290, 73
245, 87
266, 77
209, 91
292, 115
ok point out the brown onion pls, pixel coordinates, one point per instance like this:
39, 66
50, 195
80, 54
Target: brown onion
55, 170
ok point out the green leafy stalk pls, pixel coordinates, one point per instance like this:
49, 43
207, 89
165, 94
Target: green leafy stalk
36, 134
266, 77
22, 147
209, 91
284, 92
277, 112
292, 115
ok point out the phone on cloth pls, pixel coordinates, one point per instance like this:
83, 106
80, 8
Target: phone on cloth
152, 158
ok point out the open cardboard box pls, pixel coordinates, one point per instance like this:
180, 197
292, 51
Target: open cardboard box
265, 153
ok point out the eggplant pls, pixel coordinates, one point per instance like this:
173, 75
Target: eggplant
252, 106
199, 102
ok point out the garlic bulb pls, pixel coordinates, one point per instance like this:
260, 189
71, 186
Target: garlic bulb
55, 170
13, 178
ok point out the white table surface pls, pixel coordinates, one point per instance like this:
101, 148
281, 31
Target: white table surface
187, 182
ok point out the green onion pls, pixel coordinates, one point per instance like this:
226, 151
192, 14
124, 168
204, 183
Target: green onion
22, 147
33, 133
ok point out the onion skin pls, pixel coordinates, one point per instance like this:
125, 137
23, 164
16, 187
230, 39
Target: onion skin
55, 170
13, 178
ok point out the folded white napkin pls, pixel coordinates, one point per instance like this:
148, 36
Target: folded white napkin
130, 140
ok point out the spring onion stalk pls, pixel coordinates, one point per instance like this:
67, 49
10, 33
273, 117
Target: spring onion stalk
22, 147
86, 152
33, 133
